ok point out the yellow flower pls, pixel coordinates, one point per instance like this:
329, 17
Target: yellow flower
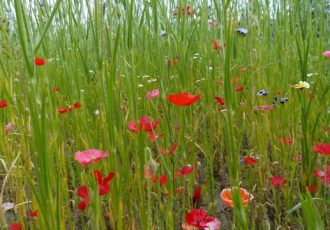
301, 85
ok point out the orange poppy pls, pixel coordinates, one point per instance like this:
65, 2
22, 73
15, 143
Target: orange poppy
227, 196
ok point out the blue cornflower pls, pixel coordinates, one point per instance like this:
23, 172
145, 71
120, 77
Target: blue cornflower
263, 92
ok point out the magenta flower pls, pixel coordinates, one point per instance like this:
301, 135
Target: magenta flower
90, 155
152, 94
326, 54
9, 127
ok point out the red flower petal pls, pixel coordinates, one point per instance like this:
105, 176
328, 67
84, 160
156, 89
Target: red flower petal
15, 226
83, 204
76, 105
250, 160
39, 61
32, 214
183, 99
62, 110
277, 181
239, 88
162, 180
82, 191
198, 218
322, 149
197, 194
220, 100
3, 104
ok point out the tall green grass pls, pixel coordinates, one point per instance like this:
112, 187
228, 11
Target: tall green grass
107, 55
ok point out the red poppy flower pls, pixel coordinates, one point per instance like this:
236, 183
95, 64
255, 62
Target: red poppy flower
15, 226
3, 104
250, 160
32, 214
39, 61
312, 188
322, 149
220, 100
277, 181
82, 205
198, 218
162, 180
83, 192
76, 105
185, 170
170, 152
239, 88
103, 183
183, 99
62, 110
197, 194
146, 124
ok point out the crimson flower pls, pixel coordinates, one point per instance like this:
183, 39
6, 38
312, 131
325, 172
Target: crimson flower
32, 214
103, 183
250, 160
90, 155
83, 193
220, 100
312, 188
277, 181
185, 170
3, 104
162, 179
170, 152
197, 194
39, 61
239, 88
62, 110
76, 105
146, 124
322, 149
183, 99
15, 226
198, 218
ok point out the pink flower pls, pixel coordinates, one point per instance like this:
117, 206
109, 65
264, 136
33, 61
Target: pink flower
9, 127
213, 225
326, 54
88, 156
153, 93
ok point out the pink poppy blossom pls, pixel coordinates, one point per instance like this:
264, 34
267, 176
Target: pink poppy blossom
326, 54
9, 127
91, 155
153, 94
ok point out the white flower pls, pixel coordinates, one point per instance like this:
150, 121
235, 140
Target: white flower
302, 85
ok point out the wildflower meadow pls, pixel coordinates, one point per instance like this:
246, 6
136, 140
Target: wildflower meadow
174, 114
